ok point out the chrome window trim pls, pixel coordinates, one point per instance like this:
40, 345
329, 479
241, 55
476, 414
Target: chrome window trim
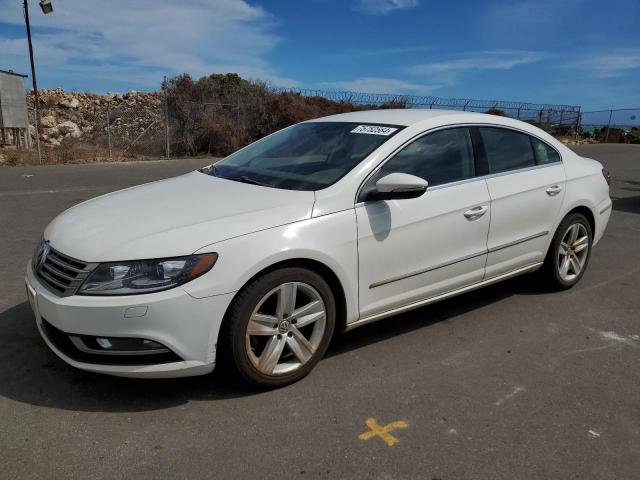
504, 127
520, 170
456, 183
466, 180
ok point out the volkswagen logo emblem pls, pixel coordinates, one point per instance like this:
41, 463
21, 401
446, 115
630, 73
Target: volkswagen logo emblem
40, 255
283, 327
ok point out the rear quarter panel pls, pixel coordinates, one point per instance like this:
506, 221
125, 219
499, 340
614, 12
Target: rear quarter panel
586, 187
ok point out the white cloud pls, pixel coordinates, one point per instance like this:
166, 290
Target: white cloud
610, 64
528, 16
139, 42
486, 60
447, 71
380, 85
382, 7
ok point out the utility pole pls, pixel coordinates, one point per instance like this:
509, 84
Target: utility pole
36, 102
46, 7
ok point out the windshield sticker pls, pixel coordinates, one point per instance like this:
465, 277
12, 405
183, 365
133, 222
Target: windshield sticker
374, 130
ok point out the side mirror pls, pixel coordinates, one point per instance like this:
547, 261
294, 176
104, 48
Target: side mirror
396, 186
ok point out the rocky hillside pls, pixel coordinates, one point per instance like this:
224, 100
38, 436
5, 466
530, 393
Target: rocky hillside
81, 115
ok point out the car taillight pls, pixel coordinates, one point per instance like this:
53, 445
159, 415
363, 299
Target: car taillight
607, 175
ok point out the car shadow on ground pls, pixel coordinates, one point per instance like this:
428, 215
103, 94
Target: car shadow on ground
627, 204
442, 311
30, 373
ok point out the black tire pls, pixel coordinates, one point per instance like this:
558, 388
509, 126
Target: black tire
232, 343
550, 271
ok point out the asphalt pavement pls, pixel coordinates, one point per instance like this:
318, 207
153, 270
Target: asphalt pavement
509, 382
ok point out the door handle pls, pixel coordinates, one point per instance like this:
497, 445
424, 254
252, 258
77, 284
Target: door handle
553, 190
476, 212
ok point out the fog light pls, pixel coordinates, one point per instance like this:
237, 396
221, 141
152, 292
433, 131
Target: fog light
104, 342
130, 344
117, 345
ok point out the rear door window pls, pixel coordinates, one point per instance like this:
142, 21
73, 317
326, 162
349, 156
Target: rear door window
506, 149
544, 153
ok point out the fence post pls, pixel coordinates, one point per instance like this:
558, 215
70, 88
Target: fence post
606, 137
109, 133
166, 121
35, 121
518, 114
578, 122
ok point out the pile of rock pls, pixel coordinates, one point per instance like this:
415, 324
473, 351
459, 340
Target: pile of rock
617, 135
68, 116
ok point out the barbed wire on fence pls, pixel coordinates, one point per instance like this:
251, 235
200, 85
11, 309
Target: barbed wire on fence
423, 100
542, 113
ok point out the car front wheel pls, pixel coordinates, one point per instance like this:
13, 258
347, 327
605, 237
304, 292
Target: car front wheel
279, 326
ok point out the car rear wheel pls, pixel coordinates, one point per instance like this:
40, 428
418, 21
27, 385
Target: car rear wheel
279, 326
569, 252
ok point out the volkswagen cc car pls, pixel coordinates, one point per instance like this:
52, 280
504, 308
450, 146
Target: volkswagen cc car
254, 262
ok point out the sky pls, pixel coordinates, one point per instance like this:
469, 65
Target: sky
573, 52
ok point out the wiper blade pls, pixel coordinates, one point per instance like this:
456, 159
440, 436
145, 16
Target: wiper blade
245, 179
240, 178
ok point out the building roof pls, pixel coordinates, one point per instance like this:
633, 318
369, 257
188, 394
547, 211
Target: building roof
11, 72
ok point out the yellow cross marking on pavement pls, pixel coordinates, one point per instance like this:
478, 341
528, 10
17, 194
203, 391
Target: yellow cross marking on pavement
382, 432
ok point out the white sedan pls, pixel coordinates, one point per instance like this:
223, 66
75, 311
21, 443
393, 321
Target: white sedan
327, 225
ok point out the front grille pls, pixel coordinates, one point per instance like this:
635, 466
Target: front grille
62, 274
63, 343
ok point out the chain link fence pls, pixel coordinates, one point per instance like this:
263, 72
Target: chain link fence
546, 116
612, 126
100, 134
223, 118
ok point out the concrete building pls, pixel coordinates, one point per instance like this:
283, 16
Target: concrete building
14, 120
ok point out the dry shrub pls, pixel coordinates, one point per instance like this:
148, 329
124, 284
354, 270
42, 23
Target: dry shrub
218, 114
496, 111
63, 154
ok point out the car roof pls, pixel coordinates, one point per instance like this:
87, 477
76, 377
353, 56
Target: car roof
428, 118
399, 116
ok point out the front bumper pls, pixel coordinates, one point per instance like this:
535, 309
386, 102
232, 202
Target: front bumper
187, 326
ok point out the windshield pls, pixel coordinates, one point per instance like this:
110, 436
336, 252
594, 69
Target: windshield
306, 156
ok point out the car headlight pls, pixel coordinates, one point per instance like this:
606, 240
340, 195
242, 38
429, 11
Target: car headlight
146, 276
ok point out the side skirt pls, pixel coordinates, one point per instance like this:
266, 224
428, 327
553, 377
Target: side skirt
442, 296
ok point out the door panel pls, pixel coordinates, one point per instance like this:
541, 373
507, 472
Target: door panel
522, 215
414, 249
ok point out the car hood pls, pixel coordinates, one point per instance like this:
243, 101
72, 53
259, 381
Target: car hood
172, 217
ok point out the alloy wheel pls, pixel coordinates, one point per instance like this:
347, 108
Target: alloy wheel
573, 252
286, 328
